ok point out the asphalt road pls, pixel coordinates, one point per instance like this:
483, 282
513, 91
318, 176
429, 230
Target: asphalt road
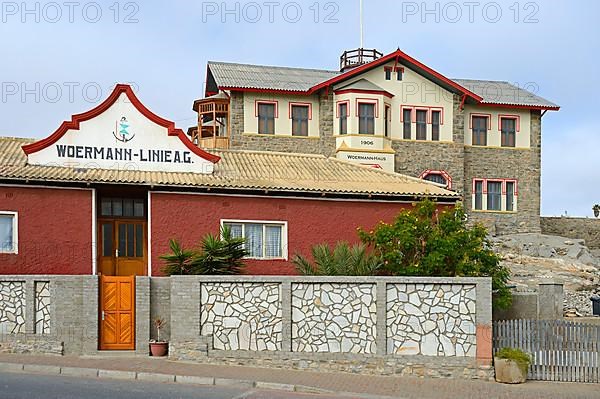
33, 386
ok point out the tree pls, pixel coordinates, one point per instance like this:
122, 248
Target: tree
342, 261
425, 242
215, 255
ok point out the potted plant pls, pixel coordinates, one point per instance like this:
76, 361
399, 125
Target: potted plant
159, 347
511, 366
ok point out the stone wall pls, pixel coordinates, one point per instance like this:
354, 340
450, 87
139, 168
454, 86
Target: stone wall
417, 326
587, 229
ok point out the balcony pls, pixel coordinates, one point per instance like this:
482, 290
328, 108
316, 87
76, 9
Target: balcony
354, 58
214, 129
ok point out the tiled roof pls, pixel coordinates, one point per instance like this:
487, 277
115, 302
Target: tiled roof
267, 77
300, 79
500, 92
238, 170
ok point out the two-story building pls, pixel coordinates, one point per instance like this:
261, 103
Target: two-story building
479, 138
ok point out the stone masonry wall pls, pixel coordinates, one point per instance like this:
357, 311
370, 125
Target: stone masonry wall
587, 229
324, 144
12, 307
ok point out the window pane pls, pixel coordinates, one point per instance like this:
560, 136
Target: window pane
273, 241
6, 233
139, 240
386, 130
366, 118
138, 208
266, 118
122, 240
388, 74
399, 74
510, 193
494, 196
130, 240
508, 134
407, 115
117, 207
235, 229
343, 110
421, 125
254, 239
299, 120
435, 125
107, 239
479, 195
128, 207
106, 207
480, 130
436, 178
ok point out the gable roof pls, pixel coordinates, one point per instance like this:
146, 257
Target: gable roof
363, 85
119, 89
230, 76
237, 170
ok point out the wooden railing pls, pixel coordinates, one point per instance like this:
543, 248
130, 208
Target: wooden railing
218, 107
354, 58
214, 142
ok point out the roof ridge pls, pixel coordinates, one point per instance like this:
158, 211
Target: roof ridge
17, 138
266, 152
273, 66
482, 80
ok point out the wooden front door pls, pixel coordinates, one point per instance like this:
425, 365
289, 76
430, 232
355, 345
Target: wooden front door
117, 313
122, 250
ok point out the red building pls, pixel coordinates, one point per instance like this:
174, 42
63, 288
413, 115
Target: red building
106, 191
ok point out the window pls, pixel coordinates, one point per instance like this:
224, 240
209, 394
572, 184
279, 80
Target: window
300, 120
510, 196
508, 129
343, 112
478, 195
421, 124
264, 240
8, 232
435, 125
399, 73
407, 119
386, 123
388, 73
366, 118
123, 207
266, 118
436, 178
494, 196
480, 127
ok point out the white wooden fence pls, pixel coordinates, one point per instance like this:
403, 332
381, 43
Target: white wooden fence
560, 350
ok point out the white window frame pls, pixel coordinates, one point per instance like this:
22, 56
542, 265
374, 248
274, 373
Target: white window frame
15, 249
284, 235
503, 195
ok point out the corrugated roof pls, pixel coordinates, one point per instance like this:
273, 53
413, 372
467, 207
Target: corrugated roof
243, 170
267, 77
300, 79
501, 92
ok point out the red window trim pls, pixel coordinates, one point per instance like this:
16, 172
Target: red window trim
503, 181
337, 107
301, 104
421, 108
507, 116
412, 114
445, 174
368, 101
489, 116
274, 102
427, 116
441, 109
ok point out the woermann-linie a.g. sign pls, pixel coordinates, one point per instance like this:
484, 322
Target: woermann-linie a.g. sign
120, 134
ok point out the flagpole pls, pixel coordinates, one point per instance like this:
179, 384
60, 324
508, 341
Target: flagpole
361, 23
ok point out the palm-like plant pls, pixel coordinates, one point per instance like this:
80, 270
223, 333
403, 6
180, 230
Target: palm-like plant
343, 260
179, 260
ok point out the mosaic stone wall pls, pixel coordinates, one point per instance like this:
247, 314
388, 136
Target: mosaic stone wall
12, 307
242, 316
42, 307
333, 318
431, 319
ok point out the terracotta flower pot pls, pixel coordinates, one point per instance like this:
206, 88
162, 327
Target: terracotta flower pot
159, 348
509, 372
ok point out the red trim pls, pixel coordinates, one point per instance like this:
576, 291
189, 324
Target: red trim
444, 174
504, 116
419, 108
489, 116
516, 186
359, 91
520, 106
368, 101
441, 109
503, 181
398, 54
119, 89
274, 102
309, 105
337, 107
254, 90
402, 108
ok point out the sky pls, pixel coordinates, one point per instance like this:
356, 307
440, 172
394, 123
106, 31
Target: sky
61, 58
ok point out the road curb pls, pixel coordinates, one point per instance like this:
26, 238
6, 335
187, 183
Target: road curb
169, 378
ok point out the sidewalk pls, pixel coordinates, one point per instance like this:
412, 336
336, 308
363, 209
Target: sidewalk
404, 387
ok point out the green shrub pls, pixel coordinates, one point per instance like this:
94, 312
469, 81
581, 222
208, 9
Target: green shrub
343, 260
517, 355
423, 241
215, 255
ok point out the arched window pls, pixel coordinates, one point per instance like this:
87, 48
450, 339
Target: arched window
437, 176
